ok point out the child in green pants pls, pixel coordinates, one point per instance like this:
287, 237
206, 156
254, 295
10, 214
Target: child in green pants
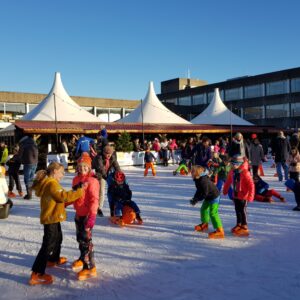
207, 191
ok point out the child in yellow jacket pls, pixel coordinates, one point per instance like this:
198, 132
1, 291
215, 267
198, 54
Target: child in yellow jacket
52, 201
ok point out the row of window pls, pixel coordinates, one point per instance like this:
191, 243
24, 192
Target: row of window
272, 111
17, 110
246, 92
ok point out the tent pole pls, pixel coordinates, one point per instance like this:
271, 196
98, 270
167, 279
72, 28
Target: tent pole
143, 136
56, 132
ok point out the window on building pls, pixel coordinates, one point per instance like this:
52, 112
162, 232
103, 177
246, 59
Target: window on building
210, 96
253, 91
102, 114
295, 85
277, 111
256, 112
276, 87
89, 109
12, 109
31, 107
185, 101
295, 109
172, 101
199, 99
233, 94
114, 114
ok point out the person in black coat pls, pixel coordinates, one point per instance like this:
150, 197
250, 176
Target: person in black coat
281, 149
104, 164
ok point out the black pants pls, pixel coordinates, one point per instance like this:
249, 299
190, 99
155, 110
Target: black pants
241, 211
51, 246
295, 176
84, 238
12, 179
255, 171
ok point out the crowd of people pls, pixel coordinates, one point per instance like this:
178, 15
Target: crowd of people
232, 168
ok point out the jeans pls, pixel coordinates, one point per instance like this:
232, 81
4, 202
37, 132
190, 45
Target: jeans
29, 171
285, 169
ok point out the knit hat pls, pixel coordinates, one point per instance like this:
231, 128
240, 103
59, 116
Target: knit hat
237, 160
253, 136
85, 159
119, 176
108, 150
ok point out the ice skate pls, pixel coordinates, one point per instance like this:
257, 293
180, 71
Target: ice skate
77, 265
62, 260
217, 234
37, 278
201, 227
87, 273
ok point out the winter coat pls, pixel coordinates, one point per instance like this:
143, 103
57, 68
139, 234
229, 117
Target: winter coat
119, 192
238, 148
223, 171
4, 155
53, 199
261, 187
28, 151
88, 204
244, 187
149, 157
281, 149
83, 145
206, 189
202, 155
294, 163
14, 164
156, 146
173, 145
256, 154
98, 164
186, 152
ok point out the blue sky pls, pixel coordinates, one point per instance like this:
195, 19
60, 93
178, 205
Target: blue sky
113, 48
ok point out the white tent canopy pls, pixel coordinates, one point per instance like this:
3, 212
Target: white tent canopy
151, 110
217, 113
66, 108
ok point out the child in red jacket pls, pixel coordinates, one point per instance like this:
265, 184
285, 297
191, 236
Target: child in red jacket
243, 191
86, 211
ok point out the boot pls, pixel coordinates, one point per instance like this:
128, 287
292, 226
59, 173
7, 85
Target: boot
37, 278
174, 173
201, 227
62, 260
28, 196
21, 194
77, 265
100, 213
218, 234
87, 273
139, 219
236, 228
11, 194
243, 231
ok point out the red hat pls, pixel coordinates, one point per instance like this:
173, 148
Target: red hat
119, 176
85, 159
253, 136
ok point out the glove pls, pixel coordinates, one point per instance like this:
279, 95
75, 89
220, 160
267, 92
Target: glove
194, 201
77, 186
90, 222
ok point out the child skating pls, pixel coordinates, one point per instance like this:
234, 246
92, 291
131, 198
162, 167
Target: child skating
210, 195
239, 178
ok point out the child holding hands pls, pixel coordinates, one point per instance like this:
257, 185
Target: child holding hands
86, 210
52, 200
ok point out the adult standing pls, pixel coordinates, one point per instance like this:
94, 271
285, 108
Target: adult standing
84, 145
238, 147
281, 149
256, 156
104, 164
202, 153
29, 158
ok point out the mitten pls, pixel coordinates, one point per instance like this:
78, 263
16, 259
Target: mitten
77, 186
90, 222
194, 201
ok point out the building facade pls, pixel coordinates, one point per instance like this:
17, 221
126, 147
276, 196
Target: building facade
271, 99
14, 105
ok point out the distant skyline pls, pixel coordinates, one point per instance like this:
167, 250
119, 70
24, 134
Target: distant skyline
112, 49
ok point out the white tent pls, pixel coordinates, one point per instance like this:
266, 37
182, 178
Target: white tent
217, 113
151, 110
60, 103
